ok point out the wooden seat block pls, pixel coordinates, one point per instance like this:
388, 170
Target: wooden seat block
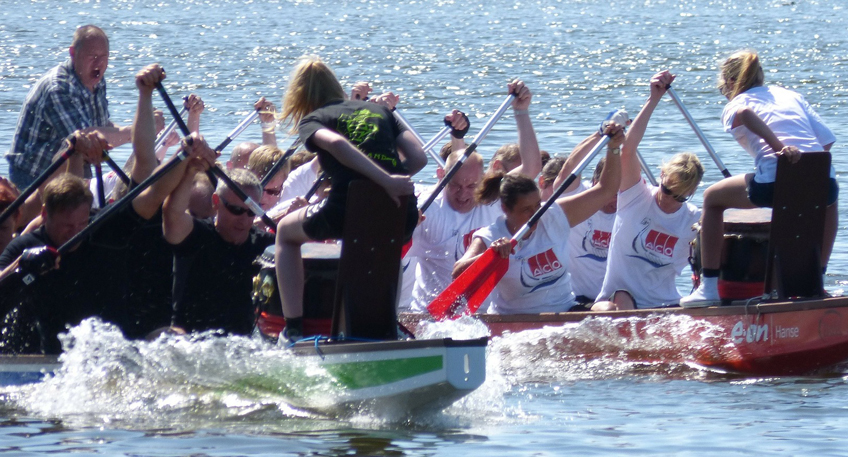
369, 268
797, 227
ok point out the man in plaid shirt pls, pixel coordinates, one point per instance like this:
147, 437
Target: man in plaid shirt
69, 97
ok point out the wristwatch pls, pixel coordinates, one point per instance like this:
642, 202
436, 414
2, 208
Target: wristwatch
615, 151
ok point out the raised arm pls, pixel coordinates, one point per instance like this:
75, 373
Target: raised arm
268, 120
577, 155
631, 171
177, 223
144, 125
528, 147
345, 152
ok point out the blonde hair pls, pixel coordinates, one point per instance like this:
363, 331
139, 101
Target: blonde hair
311, 86
740, 72
508, 154
683, 173
263, 158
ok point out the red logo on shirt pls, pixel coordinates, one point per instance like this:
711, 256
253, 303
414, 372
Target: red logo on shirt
601, 239
660, 243
467, 238
544, 263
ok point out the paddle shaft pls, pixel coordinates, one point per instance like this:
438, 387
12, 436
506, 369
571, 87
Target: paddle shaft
282, 161
106, 213
427, 146
646, 169
101, 190
116, 168
315, 186
63, 157
560, 189
468, 150
698, 132
216, 170
160, 139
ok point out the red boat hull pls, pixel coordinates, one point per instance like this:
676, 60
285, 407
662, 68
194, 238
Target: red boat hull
782, 338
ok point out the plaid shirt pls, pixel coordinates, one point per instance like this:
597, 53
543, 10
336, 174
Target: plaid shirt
55, 107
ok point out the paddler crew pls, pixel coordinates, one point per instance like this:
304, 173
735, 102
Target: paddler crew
653, 225
446, 231
353, 140
91, 278
767, 121
538, 278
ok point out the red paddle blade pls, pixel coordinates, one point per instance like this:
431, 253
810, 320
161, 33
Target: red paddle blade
467, 292
405, 248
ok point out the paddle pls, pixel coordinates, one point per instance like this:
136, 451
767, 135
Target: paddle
216, 170
698, 132
468, 150
279, 164
315, 186
101, 191
160, 140
427, 146
63, 157
467, 292
116, 168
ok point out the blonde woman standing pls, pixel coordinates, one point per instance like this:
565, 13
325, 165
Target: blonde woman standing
767, 121
353, 140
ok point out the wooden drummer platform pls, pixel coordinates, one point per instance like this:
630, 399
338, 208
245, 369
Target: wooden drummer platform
797, 229
366, 297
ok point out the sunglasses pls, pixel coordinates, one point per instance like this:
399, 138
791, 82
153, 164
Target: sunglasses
237, 210
678, 198
273, 192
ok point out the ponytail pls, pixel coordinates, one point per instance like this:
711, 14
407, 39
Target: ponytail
744, 69
489, 189
508, 188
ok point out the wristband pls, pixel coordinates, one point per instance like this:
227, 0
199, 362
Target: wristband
459, 133
521, 112
615, 151
266, 126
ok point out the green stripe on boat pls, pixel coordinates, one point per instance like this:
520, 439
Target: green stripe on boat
358, 375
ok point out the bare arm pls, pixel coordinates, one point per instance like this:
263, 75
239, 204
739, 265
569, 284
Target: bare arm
582, 206
577, 155
631, 170
477, 248
528, 146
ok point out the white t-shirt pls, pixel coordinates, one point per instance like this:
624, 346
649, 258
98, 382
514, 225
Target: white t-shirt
409, 262
110, 180
297, 184
649, 248
538, 279
440, 241
788, 115
588, 248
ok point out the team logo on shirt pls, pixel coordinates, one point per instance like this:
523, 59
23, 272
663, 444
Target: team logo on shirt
596, 245
653, 246
358, 126
541, 270
463, 242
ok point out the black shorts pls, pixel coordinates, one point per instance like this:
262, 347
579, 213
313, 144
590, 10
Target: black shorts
325, 220
762, 194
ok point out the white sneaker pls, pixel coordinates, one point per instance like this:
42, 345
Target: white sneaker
705, 295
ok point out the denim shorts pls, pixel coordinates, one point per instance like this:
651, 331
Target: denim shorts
762, 194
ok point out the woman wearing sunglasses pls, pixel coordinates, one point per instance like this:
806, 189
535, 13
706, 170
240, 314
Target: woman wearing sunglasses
653, 225
767, 121
353, 139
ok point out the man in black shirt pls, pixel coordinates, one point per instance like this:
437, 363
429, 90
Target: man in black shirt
214, 262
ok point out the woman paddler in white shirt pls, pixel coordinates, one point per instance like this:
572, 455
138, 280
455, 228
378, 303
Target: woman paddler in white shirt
537, 280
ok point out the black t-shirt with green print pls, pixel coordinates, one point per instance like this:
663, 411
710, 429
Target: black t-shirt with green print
370, 127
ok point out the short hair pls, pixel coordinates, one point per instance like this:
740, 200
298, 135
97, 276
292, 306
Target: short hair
85, 33
551, 170
744, 68
684, 172
66, 192
454, 157
446, 150
263, 158
311, 86
247, 181
301, 157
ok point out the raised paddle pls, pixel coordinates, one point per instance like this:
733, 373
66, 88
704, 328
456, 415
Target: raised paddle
216, 170
468, 150
427, 146
116, 168
66, 153
160, 139
101, 190
467, 292
698, 132
279, 164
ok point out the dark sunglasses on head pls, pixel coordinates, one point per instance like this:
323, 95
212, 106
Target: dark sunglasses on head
237, 210
273, 192
679, 198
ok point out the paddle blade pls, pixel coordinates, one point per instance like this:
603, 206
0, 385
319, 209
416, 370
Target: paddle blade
467, 292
